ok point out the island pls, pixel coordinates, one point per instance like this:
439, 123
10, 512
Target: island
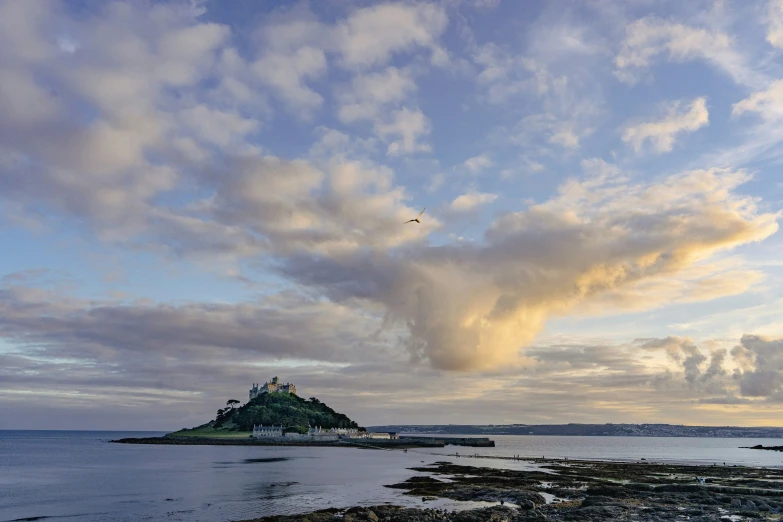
275, 415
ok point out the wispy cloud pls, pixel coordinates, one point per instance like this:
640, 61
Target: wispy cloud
767, 103
471, 200
662, 133
775, 23
478, 163
651, 36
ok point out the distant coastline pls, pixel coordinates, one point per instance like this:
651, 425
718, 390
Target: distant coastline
586, 430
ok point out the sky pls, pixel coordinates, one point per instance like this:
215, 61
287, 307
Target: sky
198, 195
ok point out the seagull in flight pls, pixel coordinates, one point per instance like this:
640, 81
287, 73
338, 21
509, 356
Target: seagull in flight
416, 219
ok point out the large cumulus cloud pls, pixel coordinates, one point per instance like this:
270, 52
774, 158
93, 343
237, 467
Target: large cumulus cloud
474, 306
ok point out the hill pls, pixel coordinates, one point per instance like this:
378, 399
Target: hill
271, 409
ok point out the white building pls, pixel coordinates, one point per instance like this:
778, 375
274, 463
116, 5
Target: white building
314, 434
345, 432
262, 431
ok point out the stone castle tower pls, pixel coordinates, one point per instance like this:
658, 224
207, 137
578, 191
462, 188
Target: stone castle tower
274, 386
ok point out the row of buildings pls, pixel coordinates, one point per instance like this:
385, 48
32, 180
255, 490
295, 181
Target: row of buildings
318, 434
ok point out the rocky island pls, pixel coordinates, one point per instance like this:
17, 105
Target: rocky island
275, 415
557, 490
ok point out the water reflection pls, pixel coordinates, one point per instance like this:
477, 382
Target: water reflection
66, 474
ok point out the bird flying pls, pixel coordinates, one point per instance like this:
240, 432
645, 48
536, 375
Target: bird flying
416, 219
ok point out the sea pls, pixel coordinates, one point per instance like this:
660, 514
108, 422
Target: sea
79, 475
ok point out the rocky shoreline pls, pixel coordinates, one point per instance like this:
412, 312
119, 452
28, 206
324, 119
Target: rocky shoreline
559, 490
760, 447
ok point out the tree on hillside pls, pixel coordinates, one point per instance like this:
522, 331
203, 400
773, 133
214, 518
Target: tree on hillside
232, 402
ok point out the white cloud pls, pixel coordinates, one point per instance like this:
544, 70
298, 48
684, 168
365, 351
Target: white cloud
775, 23
566, 137
553, 78
471, 200
662, 133
217, 127
505, 75
127, 63
408, 125
371, 93
380, 98
298, 50
436, 182
142, 141
768, 103
564, 131
651, 36
534, 166
527, 166
478, 163
286, 73
371, 35
484, 5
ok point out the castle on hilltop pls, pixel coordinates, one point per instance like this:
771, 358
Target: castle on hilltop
275, 386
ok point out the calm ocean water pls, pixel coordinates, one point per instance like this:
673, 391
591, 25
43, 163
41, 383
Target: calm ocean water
79, 476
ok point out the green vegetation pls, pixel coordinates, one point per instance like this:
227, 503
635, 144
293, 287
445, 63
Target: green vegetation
287, 410
270, 409
208, 430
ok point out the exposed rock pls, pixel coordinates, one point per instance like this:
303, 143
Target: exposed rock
589, 491
607, 490
597, 501
492, 514
596, 513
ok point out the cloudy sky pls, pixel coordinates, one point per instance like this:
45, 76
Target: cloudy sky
198, 195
